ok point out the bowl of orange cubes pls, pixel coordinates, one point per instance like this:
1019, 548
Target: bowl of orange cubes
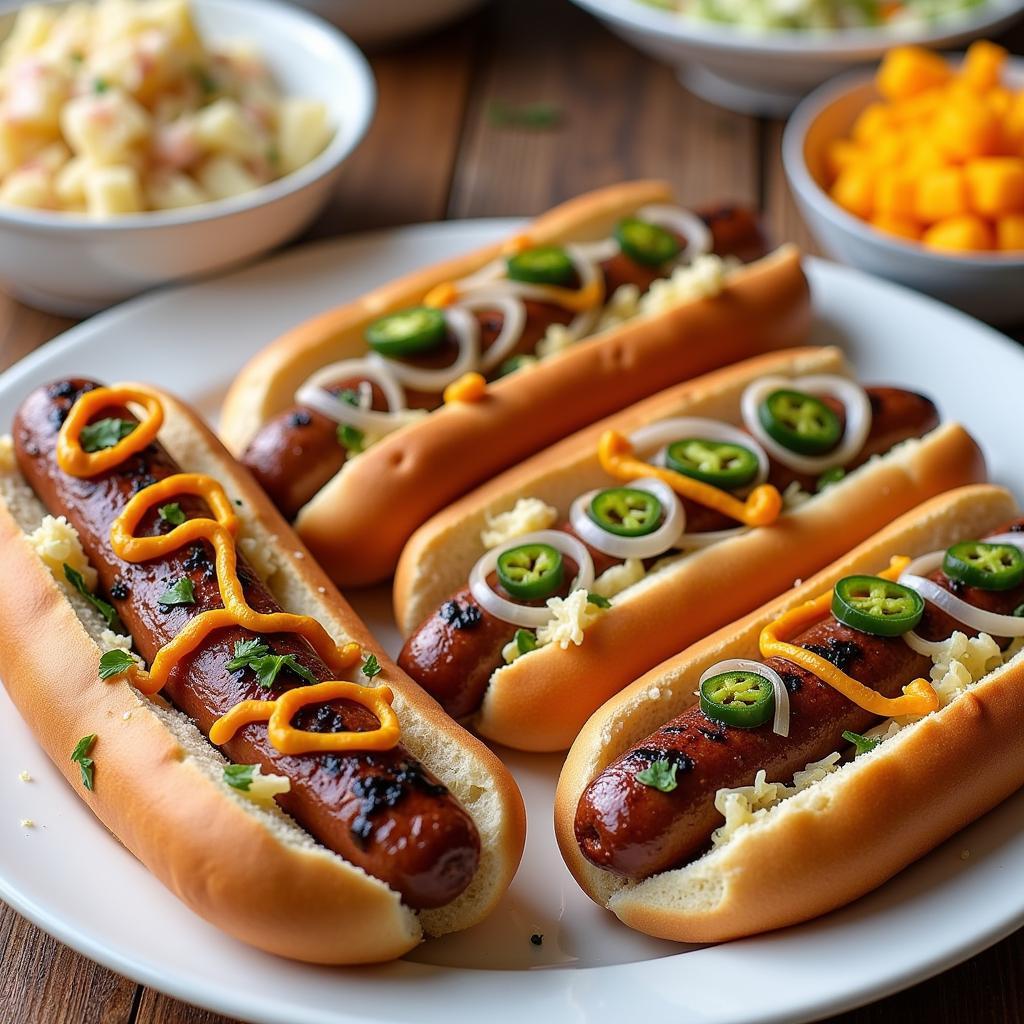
915, 173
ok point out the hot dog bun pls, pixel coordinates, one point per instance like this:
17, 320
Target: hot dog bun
843, 836
540, 702
356, 525
159, 787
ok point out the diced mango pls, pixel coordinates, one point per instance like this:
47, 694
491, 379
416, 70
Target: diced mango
983, 65
941, 194
1010, 231
895, 194
904, 227
995, 185
959, 234
909, 70
854, 191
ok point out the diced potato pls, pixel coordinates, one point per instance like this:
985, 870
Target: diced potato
224, 177
222, 128
174, 191
909, 70
959, 234
27, 188
1010, 231
113, 190
106, 128
995, 185
69, 182
302, 133
941, 194
30, 30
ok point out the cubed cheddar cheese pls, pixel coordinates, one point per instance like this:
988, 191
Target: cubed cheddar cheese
895, 194
1010, 231
983, 65
995, 185
854, 191
904, 227
909, 70
940, 194
967, 128
960, 234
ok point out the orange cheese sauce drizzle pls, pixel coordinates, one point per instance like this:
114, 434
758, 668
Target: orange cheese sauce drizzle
919, 697
220, 533
618, 459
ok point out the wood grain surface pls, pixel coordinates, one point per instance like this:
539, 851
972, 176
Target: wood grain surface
435, 151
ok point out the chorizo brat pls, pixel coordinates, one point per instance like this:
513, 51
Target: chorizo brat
381, 811
453, 654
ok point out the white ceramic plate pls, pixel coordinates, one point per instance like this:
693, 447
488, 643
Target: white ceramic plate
71, 878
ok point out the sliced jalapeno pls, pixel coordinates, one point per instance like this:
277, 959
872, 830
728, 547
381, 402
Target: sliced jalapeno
876, 606
744, 700
830, 477
626, 511
646, 243
408, 332
800, 422
987, 566
544, 264
531, 572
719, 463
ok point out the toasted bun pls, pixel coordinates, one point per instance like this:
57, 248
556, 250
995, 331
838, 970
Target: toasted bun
841, 837
677, 606
357, 524
159, 786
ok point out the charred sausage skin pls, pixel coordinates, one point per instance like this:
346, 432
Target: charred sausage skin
454, 659
297, 452
381, 811
636, 831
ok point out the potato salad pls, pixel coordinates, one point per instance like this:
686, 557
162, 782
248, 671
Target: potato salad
120, 107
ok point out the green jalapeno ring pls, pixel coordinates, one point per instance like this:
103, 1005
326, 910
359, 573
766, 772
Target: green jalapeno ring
531, 572
645, 243
744, 700
983, 565
876, 606
625, 511
800, 422
543, 264
407, 332
719, 463
829, 478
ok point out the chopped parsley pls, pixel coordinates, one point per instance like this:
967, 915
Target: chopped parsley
659, 775
180, 593
864, 744
105, 433
257, 655
172, 513
371, 666
351, 439
100, 86
240, 776
115, 663
74, 577
85, 763
525, 641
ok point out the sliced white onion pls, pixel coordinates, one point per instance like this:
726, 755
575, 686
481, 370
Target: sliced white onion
521, 614
648, 546
694, 541
513, 322
656, 437
598, 252
463, 325
780, 725
858, 418
314, 395
699, 239
976, 618
918, 644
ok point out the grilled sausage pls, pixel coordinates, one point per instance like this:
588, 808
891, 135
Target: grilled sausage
381, 811
635, 831
297, 452
453, 659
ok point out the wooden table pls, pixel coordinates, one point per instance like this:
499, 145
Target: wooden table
435, 151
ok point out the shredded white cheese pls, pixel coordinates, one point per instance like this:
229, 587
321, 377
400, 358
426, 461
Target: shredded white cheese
623, 305
27, 823
618, 578
56, 542
702, 279
557, 338
7, 463
262, 557
794, 496
527, 516
570, 616
24, 776
263, 788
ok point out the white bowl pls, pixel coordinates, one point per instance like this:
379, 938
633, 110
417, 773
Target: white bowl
768, 72
378, 22
988, 285
71, 264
